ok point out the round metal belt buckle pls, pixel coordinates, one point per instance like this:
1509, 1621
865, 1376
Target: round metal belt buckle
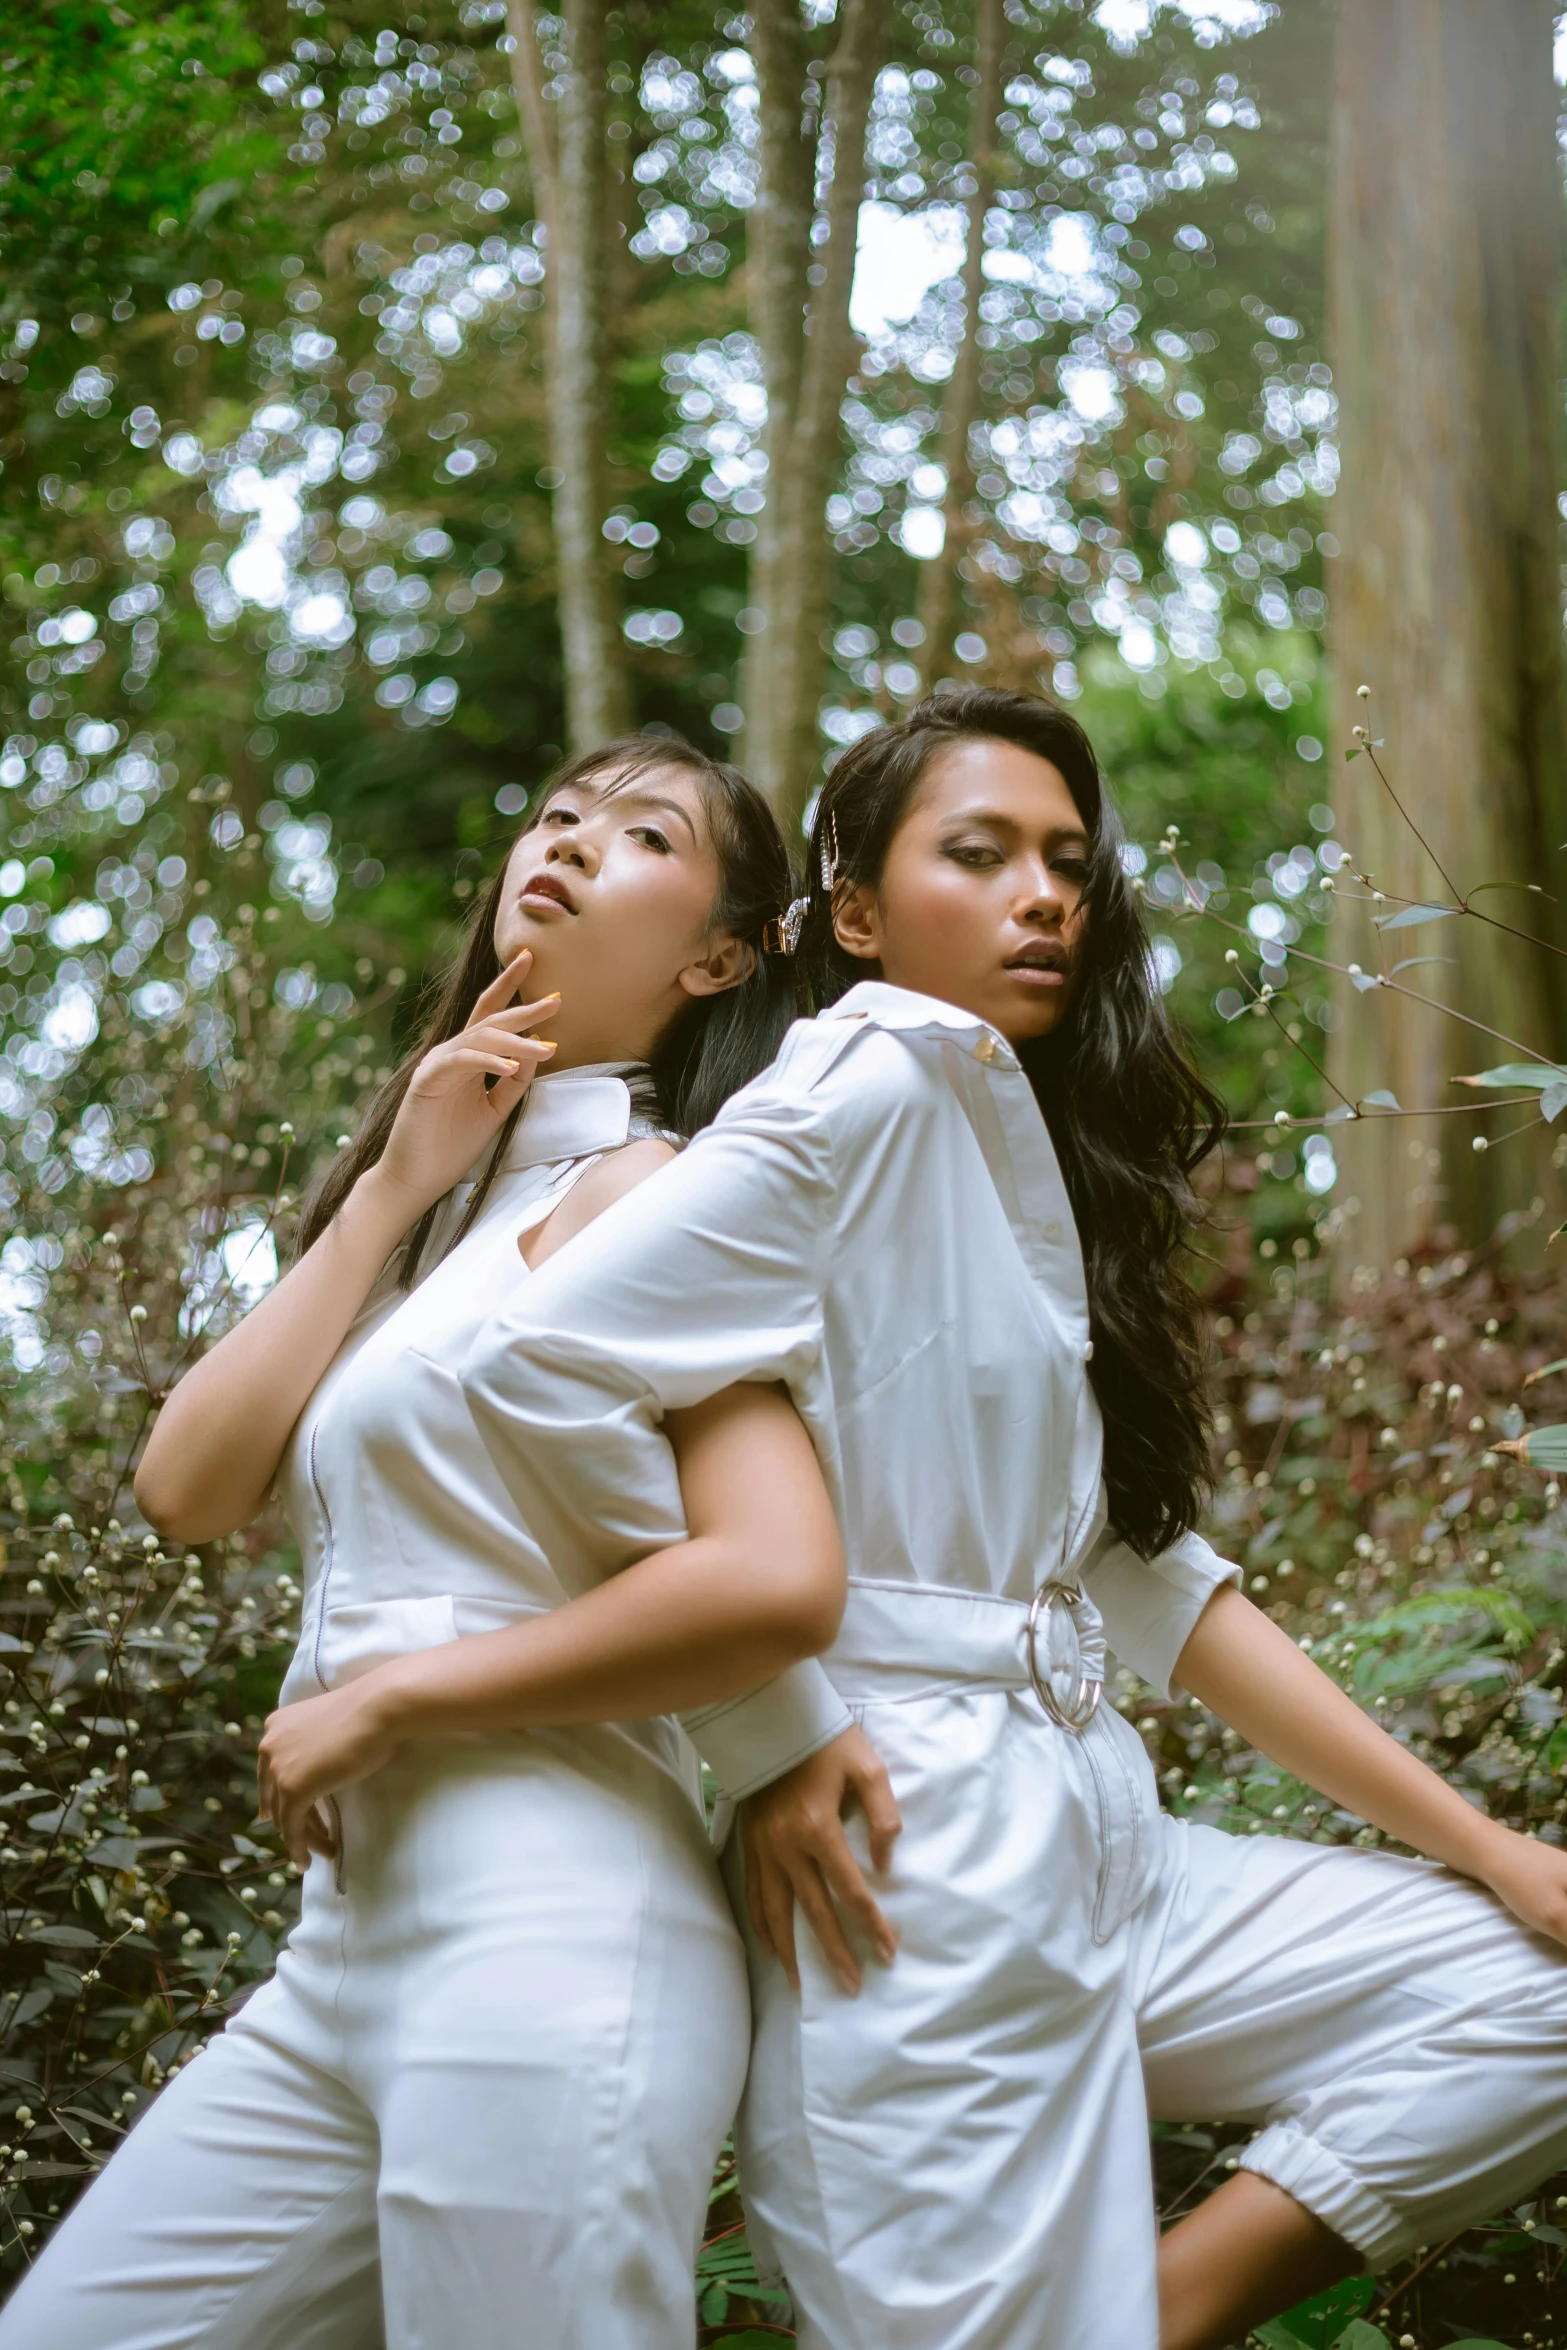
1084, 1703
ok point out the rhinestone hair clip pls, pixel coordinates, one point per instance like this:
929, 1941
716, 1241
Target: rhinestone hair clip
782, 935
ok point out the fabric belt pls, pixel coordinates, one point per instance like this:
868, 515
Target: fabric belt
901, 1640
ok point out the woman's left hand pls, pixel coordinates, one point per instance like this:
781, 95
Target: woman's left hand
309, 1751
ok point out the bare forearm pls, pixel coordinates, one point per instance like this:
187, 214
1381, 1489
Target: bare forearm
1253, 1676
219, 1438
685, 1627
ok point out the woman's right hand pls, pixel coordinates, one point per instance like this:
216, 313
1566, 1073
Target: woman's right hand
462, 1093
215, 1450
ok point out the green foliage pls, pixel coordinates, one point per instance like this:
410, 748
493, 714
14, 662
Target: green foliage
1362, 1489
1328, 2321
122, 129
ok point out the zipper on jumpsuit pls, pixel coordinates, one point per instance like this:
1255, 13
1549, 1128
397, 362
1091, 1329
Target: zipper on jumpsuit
339, 1865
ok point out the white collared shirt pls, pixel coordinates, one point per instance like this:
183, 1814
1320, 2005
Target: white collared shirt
880, 1222
407, 1534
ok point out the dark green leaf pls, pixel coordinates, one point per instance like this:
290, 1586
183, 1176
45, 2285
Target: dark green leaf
116, 1852
1316, 2324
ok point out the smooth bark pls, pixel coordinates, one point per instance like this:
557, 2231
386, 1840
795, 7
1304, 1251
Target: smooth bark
939, 589
779, 241
569, 164
1445, 282
808, 348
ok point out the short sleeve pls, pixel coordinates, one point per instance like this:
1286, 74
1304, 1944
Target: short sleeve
1151, 1606
708, 1274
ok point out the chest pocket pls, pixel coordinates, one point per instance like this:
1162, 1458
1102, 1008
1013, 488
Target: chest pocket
1128, 1819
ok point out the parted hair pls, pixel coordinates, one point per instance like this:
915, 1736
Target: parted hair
712, 1047
1129, 1115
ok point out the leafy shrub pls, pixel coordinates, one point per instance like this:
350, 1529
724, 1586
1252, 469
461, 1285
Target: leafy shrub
141, 1894
1426, 1571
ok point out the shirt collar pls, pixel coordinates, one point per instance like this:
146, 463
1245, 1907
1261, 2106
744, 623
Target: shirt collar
902, 1008
1010, 1130
573, 1113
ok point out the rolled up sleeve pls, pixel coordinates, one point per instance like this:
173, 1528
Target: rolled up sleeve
710, 1273
1151, 1606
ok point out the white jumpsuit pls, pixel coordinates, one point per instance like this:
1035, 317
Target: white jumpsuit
478, 2105
958, 2158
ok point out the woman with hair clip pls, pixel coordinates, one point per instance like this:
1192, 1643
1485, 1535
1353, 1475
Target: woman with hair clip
480, 2101
953, 1217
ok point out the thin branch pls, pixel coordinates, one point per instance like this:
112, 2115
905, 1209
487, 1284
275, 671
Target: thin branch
1513, 1101
1431, 1003
1294, 1042
1394, 2291
1464, 906
1370, 752
1322, 963
1494, 1141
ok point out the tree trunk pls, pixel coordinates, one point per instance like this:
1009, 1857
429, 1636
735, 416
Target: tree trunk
938, 596
809, 350
569, 163
779, 240
1445, 280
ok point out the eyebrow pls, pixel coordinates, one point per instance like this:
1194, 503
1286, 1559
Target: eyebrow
993, 816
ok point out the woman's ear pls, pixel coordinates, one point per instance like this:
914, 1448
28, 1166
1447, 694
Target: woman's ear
856, 922
727, 962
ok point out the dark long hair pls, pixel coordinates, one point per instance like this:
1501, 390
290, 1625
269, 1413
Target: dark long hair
1128, 1114
714, 1045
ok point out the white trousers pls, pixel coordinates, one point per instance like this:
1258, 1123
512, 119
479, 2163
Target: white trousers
476, 2108
958, 2158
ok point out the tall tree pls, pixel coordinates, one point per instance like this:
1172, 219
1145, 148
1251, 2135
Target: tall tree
568, 158
938, 601
807, 216
1445, 284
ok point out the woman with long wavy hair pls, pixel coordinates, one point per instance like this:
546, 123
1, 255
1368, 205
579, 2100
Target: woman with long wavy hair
480, 2101
953, 1217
